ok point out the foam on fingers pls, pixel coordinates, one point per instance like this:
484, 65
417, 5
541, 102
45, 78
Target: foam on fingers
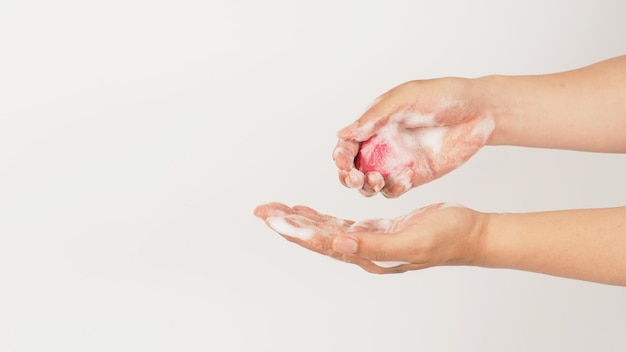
281, 225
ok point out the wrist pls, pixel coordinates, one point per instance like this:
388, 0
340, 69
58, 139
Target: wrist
470, 230
500, 101
499, 245
479, 239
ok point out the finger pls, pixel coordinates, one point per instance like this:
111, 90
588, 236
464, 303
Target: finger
371, 225
355, 179
351, 179
374, 181
375, 116
329, 223
322, 243
374, 268
291, 227
271, 209
308, 228
342, 174
306, 232
371, 185
344, 154
398, 184
309, 213
302, 222
367, 191
400, 105
304, 209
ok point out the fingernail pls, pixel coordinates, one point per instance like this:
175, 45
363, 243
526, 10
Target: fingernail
336, 152
345, 245
355, 179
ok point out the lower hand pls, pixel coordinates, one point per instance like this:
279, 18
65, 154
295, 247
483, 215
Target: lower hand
440, 234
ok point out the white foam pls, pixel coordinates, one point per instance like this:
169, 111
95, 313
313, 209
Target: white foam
364, 132
433, 139
389, 264
484, 128
280, 225
380, 224
412, 119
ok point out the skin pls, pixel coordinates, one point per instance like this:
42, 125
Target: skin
430, 236
411, 112
582, 109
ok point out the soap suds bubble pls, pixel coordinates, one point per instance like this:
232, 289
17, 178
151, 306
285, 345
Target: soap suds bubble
280, 225
389, 264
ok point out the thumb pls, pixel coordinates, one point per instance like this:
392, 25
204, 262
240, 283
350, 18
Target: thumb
399, 105
375, 116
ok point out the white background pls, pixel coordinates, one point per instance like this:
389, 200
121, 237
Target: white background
136, 138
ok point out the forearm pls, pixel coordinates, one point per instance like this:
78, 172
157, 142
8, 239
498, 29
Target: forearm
582, 109
581, 244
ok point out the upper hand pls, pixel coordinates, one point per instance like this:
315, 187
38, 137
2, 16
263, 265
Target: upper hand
414, 134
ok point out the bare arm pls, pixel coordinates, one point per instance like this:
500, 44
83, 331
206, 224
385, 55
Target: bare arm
582, 109
586, 244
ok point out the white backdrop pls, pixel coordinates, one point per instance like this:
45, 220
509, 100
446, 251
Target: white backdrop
136, 138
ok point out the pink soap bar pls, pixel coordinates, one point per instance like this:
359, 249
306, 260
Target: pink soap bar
371, 157
382, 155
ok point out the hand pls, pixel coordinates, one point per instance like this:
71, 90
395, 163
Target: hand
414, 134
441, 234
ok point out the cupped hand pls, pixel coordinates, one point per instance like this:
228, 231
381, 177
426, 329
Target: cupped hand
441, 234
414, 134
